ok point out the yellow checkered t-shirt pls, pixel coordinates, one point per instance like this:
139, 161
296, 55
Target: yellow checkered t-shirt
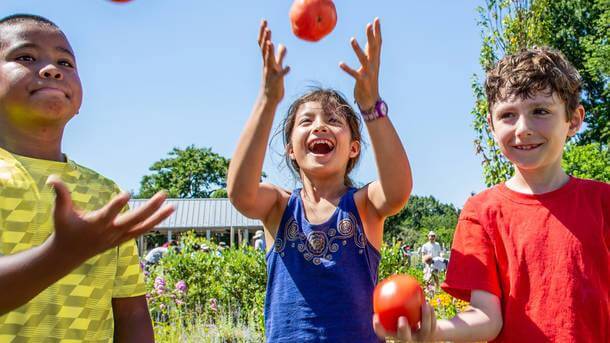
78, 307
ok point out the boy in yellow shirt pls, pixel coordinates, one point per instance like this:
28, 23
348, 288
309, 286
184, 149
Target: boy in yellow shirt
69, 269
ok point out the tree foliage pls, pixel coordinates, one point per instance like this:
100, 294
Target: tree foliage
189, 173
587, 161
421, 215
578, 28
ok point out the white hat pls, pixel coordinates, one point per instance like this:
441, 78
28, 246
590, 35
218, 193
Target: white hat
258, 234
431, 233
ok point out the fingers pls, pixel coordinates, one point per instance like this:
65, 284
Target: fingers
433, 325
364, 61
280, 59
265, 42
370, 36
428, 323
269, 54
140, 214
379, 330
425, 318
349, 70
114, 207
268, 51
152, 221
404, 330
264, 34
377, 30
261, 32
265, 45
285, 71
63, 201
373, 46
281, 53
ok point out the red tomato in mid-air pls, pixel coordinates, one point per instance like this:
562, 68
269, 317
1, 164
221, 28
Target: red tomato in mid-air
397, 296
120, 0
311, 20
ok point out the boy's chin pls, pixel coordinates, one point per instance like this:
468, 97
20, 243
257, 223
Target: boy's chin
531, 167
40, 115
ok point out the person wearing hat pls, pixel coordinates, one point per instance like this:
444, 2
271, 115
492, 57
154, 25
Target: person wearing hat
431, 253
259, 241
431, 248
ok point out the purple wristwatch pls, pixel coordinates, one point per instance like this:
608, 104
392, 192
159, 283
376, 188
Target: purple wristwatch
380, 110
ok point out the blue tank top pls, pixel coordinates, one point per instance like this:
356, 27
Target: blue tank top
320, 278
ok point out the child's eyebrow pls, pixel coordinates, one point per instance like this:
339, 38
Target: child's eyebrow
307, 114
542, 103
22, 46
34, 46
64, 50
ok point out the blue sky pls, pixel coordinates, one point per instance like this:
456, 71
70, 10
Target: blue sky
159, 74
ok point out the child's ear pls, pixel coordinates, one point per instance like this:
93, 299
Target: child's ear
576, 121
490, 123
490, 126
290, 151
354, 149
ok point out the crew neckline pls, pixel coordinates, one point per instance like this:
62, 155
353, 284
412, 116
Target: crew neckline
536, 198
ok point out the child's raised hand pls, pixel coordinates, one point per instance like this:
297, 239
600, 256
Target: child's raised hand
273, 71
84, 235
366, 90
425, 333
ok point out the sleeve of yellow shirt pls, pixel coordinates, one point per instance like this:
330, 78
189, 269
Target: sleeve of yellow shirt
129, 278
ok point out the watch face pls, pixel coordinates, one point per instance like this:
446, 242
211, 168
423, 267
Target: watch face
382, 108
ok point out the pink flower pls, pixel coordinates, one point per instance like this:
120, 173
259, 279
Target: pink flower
181, 286
213, 305
159, 285
179, 302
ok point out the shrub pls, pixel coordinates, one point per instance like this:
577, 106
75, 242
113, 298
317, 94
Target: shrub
204, 294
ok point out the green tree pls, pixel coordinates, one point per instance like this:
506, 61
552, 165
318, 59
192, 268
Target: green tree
579, 28
587, 161
420, 215
189, 173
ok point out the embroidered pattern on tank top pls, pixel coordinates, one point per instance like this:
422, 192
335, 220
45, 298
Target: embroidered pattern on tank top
318, 245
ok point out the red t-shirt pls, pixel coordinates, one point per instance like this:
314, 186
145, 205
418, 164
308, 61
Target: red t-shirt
545, 256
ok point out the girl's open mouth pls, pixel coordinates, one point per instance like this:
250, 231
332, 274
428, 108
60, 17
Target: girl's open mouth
321, 146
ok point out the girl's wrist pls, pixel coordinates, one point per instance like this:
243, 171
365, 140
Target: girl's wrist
267, 101
378, 110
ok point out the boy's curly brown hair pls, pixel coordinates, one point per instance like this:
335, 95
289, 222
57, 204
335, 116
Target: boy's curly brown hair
539, 69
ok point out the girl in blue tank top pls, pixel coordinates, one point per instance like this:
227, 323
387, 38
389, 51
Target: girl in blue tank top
323, 239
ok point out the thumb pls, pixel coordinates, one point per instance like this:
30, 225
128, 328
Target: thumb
63, 201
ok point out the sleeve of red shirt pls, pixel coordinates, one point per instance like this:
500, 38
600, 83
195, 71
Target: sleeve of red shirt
472, 264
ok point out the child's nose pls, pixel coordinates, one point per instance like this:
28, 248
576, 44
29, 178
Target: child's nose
524, 127
50, 71
320, 126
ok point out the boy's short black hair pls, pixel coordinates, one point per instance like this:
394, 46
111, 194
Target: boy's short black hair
22, 17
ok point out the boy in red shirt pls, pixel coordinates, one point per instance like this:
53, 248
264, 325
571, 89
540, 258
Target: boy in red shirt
531, 254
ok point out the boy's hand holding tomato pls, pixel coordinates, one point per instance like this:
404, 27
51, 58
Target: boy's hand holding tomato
399, 306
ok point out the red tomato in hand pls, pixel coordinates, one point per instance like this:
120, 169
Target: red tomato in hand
311, 20
397, 296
